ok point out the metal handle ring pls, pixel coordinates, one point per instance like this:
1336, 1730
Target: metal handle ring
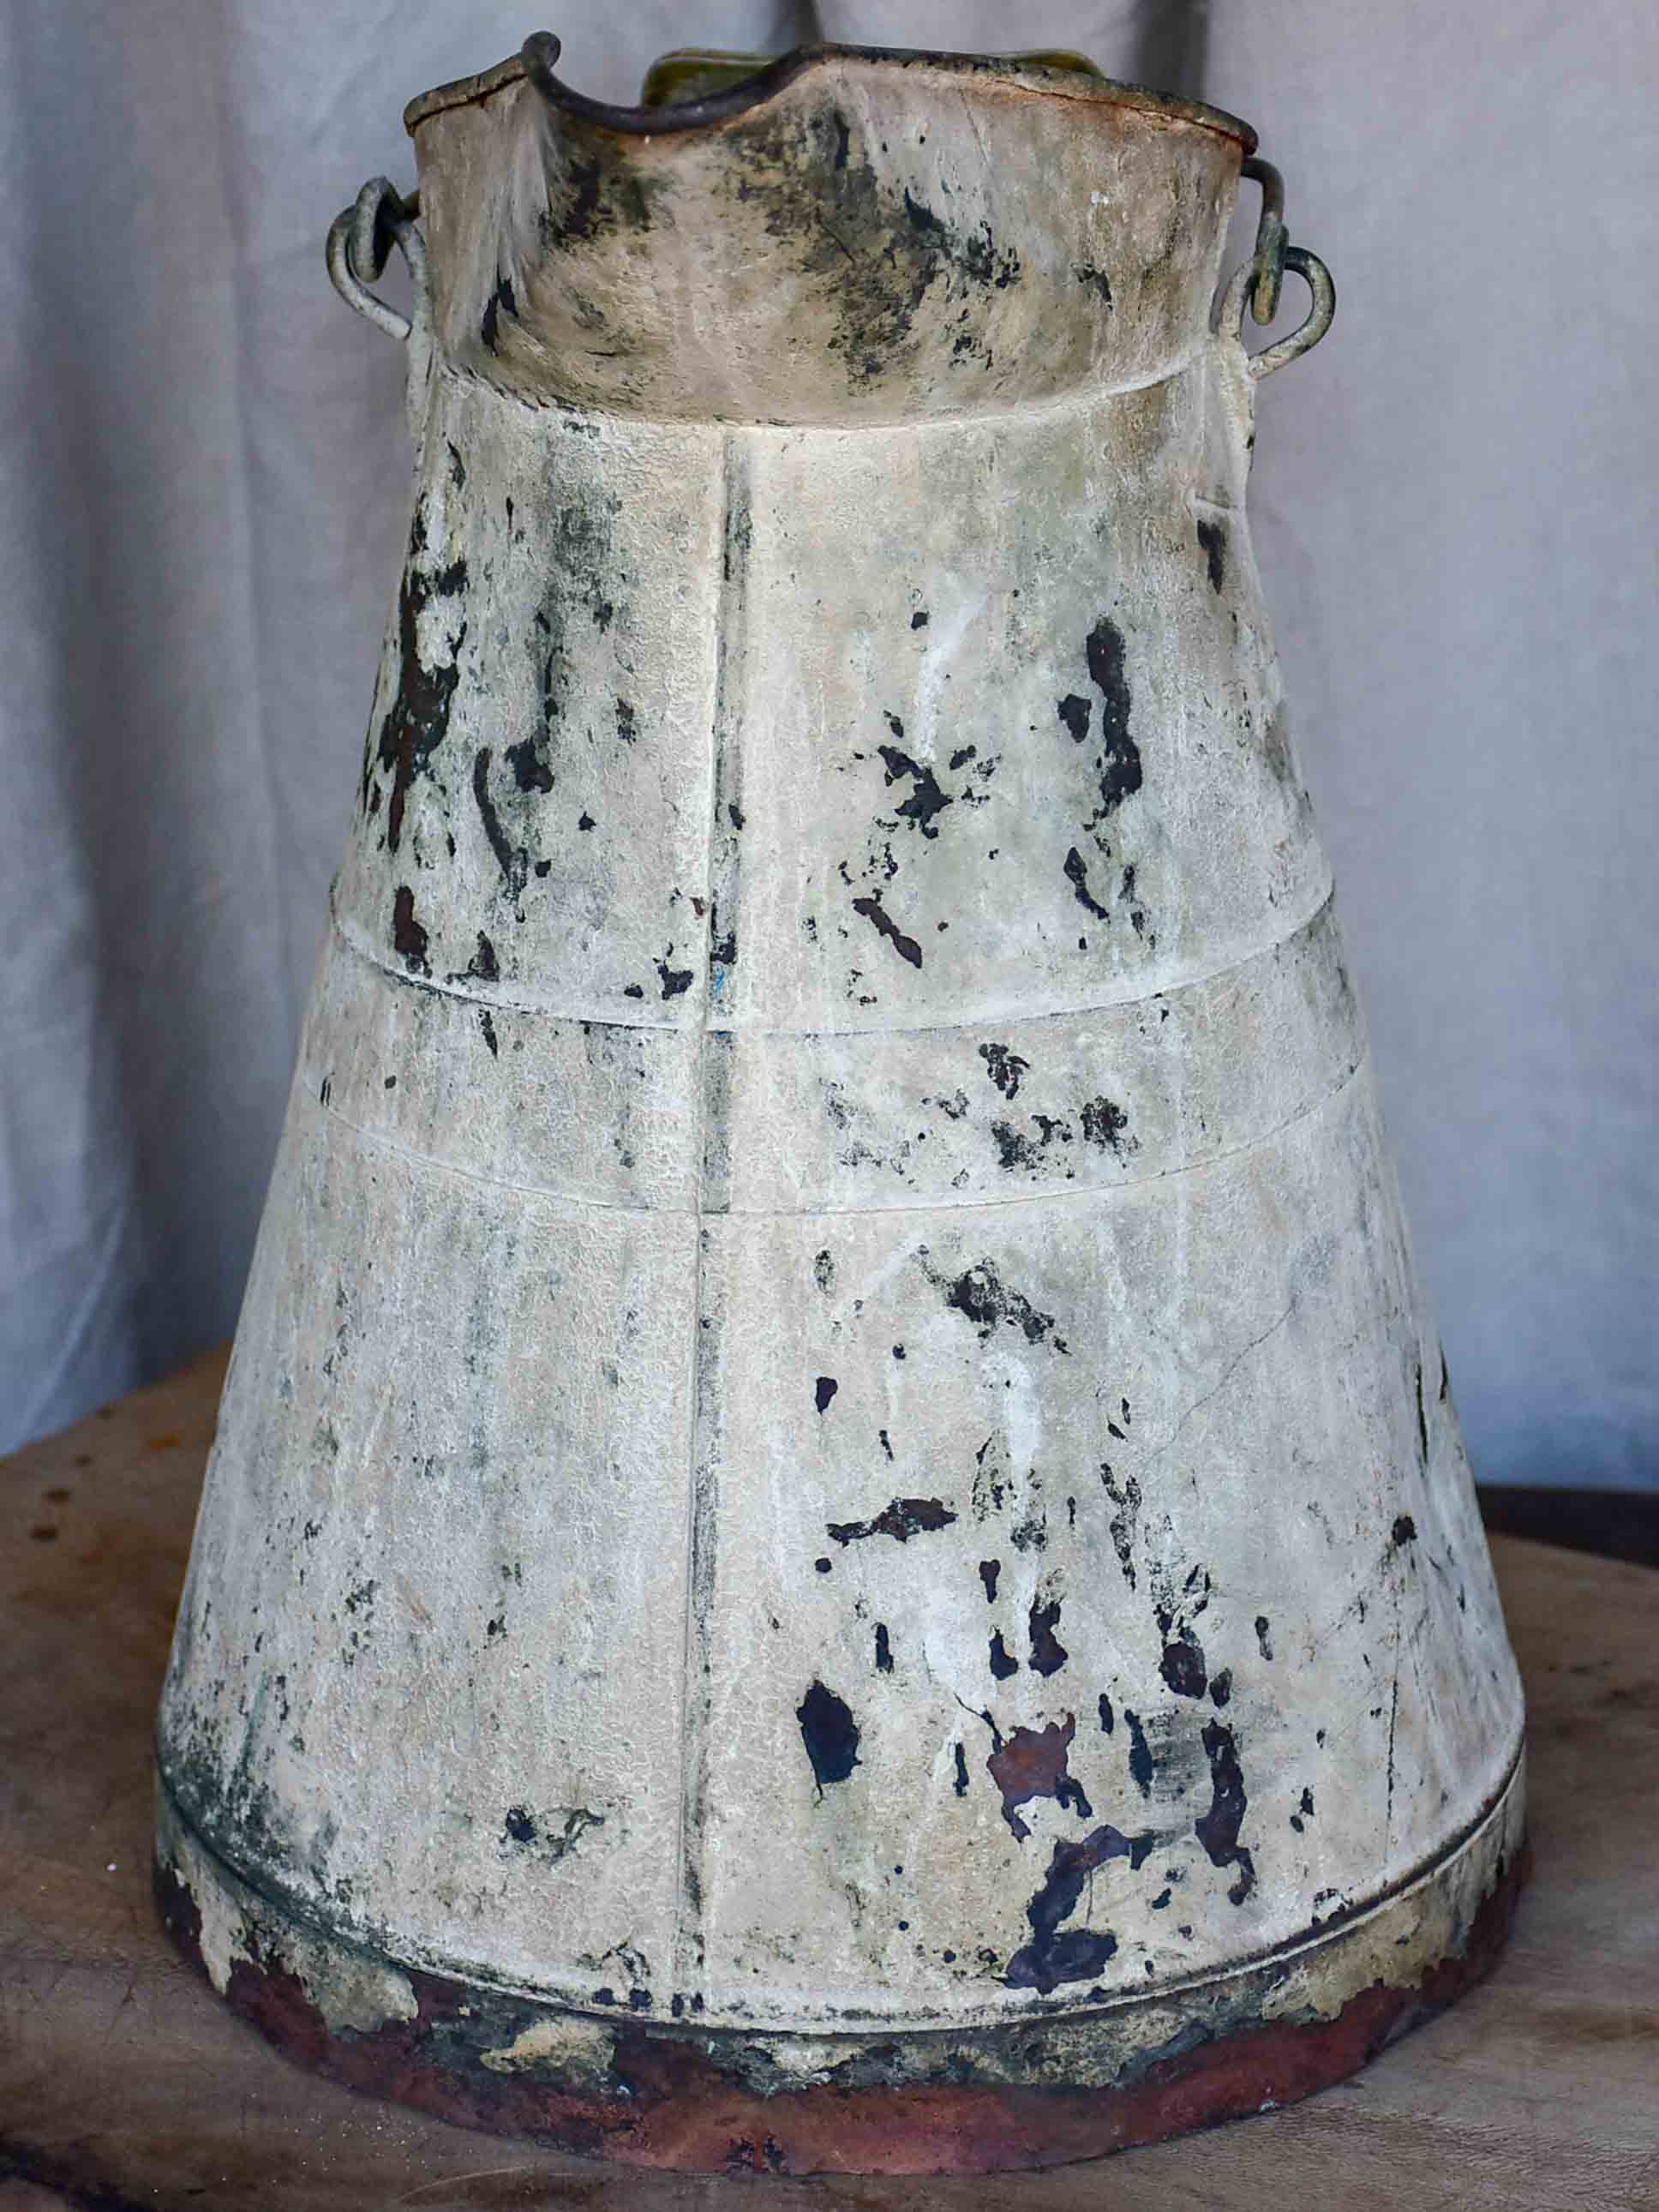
1268, 262
1317, 278
359, 242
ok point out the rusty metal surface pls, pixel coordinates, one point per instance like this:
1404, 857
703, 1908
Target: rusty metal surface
836, 1480
672, 2097
541, 53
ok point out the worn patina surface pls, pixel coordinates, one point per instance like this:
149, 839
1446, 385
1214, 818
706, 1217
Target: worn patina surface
836, 1509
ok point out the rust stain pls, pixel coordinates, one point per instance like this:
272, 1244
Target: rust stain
673, 2108
1033, 1763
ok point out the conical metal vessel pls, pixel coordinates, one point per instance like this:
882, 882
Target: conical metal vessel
838, 1537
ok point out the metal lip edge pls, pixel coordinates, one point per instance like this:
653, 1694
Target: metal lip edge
754, 92
853, 2025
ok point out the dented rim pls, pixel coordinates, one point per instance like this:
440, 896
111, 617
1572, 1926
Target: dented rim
541, 50
678, 2096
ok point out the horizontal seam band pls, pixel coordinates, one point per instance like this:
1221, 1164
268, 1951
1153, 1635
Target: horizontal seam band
1003, 1018
692, 1210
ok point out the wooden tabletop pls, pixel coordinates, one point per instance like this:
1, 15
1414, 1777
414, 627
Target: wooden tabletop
125, 2083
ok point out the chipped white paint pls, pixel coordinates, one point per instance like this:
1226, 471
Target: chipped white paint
351, 1990
569, 2048
832, 1324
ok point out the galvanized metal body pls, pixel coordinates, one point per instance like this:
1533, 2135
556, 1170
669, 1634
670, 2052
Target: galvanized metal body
835, 1482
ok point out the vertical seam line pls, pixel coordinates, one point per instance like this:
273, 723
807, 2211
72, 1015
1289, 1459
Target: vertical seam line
686, 1944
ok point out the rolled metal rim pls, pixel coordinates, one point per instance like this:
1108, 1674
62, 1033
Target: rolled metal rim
534, 64
680, 2100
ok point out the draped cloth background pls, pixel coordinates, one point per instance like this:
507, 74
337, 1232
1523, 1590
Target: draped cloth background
203, 486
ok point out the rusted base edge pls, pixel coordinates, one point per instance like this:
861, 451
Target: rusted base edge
646, 2095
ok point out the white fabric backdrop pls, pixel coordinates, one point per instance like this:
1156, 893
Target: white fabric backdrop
203, 500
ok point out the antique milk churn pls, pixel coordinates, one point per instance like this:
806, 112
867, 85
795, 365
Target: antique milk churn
837, 1538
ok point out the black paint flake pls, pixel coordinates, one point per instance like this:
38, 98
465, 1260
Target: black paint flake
1127, 892
830, 1735
1213, 539
961, 1784
1104, 1124
1263, 1642
1218, 1829
514, 861
1003, 1662
1004, 1067
904, 1518
1126, 1499
1422, 1419
1141, 1768
407, 934
926, 800
502, 300
1077, 874
674, 981
1054, 1956
1106, 1714
824, 1391
1058, 1956
1074, 712
990, 1481
1120, 758
552, 1834
1049, 1654
1015, 1150
875, 914
723, 945
1183, 1665
884, 1650
417, 720
531, 769
979, 1295
988, 1571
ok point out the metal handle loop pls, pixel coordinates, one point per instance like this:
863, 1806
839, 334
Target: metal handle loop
1268, 262
359, 242
1317, 278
